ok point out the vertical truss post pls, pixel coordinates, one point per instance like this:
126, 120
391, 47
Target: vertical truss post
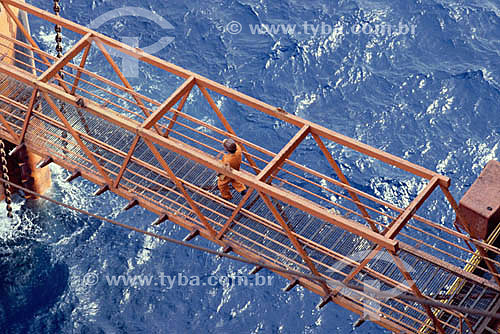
183, 89
392, 231
344, 180
416, 291
294, 241
174, 118
397, 225
227, 126
180, 186
234, 214
28, 115
30, 39
285, 152
462, 222
77, 138
79, 73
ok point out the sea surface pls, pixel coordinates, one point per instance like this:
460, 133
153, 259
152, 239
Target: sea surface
428, 91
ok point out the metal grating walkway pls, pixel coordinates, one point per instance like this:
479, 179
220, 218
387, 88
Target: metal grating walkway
254, 229
292, 216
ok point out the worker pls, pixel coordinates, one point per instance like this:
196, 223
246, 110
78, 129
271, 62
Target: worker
232, 159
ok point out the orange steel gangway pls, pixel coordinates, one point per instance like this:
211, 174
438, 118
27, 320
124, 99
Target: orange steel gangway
155, 153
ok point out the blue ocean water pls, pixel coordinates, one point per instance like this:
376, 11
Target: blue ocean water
429, 95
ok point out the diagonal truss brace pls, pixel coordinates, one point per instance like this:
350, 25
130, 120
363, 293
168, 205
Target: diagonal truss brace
234, 214
344, 180
294, 240
79, 73
392, 231
181, 187
27, 118
75, 135
66, 58
124, 80
123, 167
176, 114
416, 291
397, 225
227, 126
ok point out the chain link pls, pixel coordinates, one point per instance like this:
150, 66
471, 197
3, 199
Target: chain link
5, 176
58, 30
59, 49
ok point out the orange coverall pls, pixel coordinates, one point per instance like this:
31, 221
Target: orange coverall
234, 160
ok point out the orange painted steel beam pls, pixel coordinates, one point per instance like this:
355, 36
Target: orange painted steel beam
285, 152
169, 103
234, 214
126, 161
416, 291
124, 80
173, 120
235, 95
179, 185
79, 72
408, 213
13, 103
176, 113
68, 56
28, 115
89, 154
294, 240
227, 126
343, 179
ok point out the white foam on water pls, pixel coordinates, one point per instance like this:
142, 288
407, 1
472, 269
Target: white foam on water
22, 224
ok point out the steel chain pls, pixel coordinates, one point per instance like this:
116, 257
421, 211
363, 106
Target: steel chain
5, 176
58, 30
59, 49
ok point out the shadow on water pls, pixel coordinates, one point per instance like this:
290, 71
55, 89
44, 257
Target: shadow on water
31, 282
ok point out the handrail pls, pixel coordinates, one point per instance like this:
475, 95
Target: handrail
235, 95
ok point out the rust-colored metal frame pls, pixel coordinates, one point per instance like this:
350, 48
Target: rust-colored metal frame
259, 182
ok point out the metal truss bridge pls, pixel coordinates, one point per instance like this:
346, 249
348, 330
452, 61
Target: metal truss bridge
156, 153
